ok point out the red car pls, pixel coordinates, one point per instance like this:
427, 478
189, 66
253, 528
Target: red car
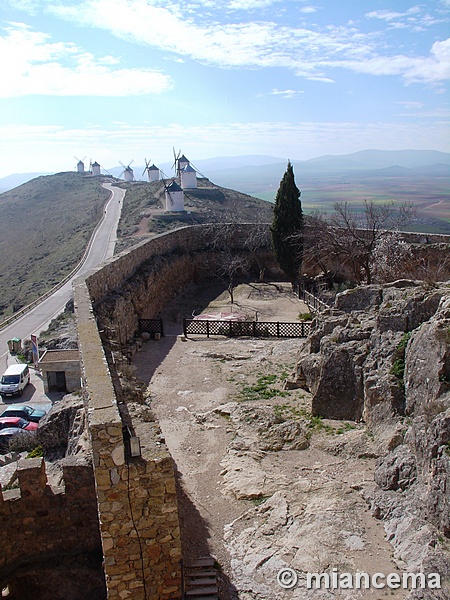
17, 422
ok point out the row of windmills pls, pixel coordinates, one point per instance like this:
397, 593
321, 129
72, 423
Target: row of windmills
94, 168
186, 173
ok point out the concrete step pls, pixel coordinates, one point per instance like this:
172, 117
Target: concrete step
193, 580
201, 592
203, 561
192, 572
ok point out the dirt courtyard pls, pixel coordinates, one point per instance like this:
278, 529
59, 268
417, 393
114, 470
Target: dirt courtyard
263, 485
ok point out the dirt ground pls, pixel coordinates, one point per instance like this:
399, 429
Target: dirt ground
262, 484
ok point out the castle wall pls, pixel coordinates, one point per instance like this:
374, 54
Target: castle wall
136, 498
138, 284
42, 524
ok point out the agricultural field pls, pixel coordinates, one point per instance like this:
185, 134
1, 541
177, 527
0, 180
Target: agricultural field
430, 196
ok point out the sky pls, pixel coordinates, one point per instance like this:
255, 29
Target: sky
122, 80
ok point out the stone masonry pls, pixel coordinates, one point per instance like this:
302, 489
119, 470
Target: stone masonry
44, 526
136, 497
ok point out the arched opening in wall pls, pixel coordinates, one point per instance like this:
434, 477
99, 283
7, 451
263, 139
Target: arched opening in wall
59, 578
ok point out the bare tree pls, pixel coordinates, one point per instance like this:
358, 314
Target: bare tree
391, 258
349, 239
230, 263
258, 238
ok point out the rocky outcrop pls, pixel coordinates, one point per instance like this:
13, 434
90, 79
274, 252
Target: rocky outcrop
63, 430
356, 360
383, 354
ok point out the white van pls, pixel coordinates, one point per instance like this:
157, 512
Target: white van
14, 380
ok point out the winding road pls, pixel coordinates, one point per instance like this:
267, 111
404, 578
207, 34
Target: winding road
101, 248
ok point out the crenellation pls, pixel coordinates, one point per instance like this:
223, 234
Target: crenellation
32, 477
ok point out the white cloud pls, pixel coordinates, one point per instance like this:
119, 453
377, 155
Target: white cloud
32, 64
255, 44
389, 15
247, 44
250, 4
188, 31
288, 94
408, 104
432, 69
308, 9
414, 18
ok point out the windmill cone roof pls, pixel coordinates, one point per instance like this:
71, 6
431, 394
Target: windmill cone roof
174, 187
95, 164
183, 159
189, 169
153, 168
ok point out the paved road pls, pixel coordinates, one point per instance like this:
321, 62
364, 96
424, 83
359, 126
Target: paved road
101, 249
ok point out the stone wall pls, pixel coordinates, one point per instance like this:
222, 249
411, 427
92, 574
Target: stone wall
136, 498
139, 283
44, 527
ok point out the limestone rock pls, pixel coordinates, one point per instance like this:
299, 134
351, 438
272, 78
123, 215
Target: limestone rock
339, 392
63, 430
360, 298
397, 471
427, 364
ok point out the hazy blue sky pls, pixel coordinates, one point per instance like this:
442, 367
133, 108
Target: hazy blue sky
115, 80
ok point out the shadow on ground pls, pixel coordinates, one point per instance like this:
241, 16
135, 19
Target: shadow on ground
195, 535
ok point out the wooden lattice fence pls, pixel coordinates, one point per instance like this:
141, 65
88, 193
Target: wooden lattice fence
151, 326
246, 328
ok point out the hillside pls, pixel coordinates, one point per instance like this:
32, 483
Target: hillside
143, 211
45, 225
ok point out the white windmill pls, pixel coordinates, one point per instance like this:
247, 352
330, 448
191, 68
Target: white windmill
179, 162
127, 172
188, 178
95, 169
174, 197
153, 172
80, 164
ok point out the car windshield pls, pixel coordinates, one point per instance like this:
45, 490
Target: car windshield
22, 423
10, 379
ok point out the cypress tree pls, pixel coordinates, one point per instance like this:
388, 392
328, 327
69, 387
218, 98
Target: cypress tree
287, 227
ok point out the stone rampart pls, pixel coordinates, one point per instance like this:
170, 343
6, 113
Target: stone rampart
139, 283
136, 498
44, 525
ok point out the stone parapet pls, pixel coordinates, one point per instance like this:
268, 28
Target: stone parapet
41, 521
136, 499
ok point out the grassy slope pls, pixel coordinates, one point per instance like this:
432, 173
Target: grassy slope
207, 204
44, 227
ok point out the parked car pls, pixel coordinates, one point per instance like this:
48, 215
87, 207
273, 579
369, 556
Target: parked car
26, 412
6, 435
7, 422
14, 380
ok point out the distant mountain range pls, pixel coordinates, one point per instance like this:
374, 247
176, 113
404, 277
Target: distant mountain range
256, 173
